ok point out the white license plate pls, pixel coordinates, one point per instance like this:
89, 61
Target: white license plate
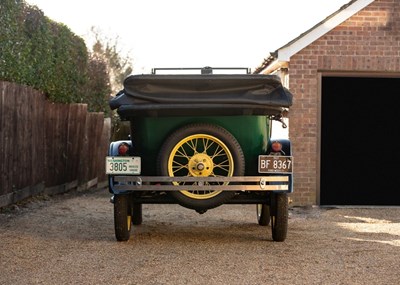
123, 165
275, 164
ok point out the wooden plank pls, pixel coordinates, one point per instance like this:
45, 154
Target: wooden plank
49, 141
104, 142
7, 135
83, 152
46, 142
75, 136
19, 195
22, 120
37, 139
94, 133
55, 140
2, 140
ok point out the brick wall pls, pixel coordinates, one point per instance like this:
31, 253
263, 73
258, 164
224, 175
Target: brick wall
369, 41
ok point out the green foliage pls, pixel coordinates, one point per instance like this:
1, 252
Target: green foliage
46, 55
98, 86
41, 53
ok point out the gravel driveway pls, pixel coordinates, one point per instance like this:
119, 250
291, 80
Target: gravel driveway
69, 239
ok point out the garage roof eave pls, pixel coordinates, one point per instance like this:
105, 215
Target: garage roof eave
274, 66
284, 53
320, 29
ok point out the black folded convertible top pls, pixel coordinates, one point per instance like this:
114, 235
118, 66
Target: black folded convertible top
201, 95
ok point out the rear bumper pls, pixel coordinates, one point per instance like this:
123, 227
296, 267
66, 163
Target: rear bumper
275, 183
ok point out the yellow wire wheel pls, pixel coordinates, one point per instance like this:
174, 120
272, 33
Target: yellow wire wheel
200, 155
201, 150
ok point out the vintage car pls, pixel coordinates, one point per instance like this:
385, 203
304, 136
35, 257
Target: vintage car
201, 140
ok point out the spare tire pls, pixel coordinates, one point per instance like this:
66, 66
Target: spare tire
201, 150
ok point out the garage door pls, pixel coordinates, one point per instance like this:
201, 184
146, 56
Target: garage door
360, 152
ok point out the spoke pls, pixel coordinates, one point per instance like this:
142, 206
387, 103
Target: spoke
219, 183
181, 153
219, 151
223, 166
224, 161
184, 183
207, 144
206, 148
178, 166
193, 145
215, 175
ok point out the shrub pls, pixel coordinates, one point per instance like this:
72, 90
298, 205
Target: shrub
47, 56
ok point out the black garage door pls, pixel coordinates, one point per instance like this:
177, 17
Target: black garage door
360, 150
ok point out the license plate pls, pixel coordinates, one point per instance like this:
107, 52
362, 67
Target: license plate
123, 165
275, 164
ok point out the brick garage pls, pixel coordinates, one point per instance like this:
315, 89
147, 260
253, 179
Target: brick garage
345, 77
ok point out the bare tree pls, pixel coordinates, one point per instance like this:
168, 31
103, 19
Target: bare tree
118, 64
106, 52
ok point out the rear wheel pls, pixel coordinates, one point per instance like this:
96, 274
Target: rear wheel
279, 216
201, 150
122, 217
263, 214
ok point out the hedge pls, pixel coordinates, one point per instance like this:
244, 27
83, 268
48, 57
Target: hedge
43, 54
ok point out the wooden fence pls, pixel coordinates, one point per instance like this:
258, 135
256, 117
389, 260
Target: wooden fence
47, 147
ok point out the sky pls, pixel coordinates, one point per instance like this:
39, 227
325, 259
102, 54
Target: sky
188, 33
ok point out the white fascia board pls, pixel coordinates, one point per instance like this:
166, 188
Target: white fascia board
274, 66
290, 49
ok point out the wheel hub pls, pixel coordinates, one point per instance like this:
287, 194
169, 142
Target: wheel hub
201, 165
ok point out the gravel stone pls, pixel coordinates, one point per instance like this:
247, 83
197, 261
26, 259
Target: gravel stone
69, 239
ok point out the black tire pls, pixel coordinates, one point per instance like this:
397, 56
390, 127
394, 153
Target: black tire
279, 216
202, 150
122, 217
137, 217
263, 214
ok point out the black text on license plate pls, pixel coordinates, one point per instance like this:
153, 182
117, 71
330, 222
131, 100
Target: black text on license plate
123, 165
274, 164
